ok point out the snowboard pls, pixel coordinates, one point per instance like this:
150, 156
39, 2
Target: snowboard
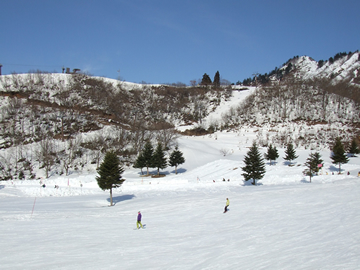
144, 227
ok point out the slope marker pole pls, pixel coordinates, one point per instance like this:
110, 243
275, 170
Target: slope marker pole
33, 207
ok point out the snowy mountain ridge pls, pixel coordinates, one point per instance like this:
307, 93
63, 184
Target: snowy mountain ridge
345, 68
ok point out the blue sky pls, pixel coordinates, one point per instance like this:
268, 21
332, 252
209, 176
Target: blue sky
168, 41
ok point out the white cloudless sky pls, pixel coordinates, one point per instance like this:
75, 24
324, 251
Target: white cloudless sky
166, 41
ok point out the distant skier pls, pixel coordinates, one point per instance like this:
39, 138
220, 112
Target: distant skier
139, 221
227, 205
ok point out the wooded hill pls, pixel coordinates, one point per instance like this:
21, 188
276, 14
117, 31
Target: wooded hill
64, 122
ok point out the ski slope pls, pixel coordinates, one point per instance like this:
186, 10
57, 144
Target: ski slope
285, 222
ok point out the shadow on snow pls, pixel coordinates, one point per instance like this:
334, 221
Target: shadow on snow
121, 198
155, 172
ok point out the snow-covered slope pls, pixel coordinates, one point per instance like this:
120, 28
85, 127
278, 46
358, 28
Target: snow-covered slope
284, 223
345, 68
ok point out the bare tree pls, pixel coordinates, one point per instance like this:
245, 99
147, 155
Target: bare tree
224, 151
6, 165
46, 155
121, 138
193, 83
98, 146
167, 137
69, 154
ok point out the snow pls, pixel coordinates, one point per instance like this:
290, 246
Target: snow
285, 222
342, 68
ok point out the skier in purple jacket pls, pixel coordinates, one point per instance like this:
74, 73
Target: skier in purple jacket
139, 221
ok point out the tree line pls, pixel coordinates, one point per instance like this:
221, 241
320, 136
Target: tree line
110, 170
155, 158
254, 168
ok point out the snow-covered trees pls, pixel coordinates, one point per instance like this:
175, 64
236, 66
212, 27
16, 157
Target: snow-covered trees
254, 165
45, 155
110, 172
338, 154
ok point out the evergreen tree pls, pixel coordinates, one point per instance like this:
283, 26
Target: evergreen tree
288, 68
147, 156
110, 173
272, 153
338, 154
159, 159
290, 153
353, 149
217, 79
314, 163
140, 162
254, 165
320, 63
176, 158
206, 80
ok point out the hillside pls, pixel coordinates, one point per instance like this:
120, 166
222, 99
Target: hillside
342, 68
65, 122
338, 69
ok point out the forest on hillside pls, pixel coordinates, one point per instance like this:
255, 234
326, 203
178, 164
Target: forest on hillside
62, 122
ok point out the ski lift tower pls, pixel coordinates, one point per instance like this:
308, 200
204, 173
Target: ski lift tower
0, 69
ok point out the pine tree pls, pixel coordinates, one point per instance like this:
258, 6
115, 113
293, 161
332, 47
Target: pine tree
267, 155
288, 68
176, 158
159, 160
290, 153
147, 156
353, 149
110, 173
320, 63
254, 165
314, 163
205, 80
338, 154
217, 79
272, 153
140, 162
